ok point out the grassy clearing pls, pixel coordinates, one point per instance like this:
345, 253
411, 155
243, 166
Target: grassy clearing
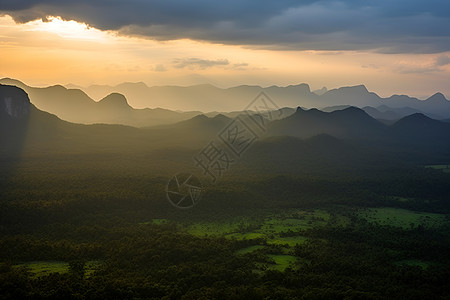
290, 241
270, 227
156, 222
414, 263
43, 268
159, 221
249, 249
216, 228
245, 236
275, 225
403, 218
281, 261
92, 266
443, 168
402, 199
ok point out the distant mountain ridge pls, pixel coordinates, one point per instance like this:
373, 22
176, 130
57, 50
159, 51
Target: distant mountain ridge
414, 132
350, 122
210, 98
75, 106
324, 135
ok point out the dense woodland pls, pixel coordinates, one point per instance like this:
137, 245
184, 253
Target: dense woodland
57, 215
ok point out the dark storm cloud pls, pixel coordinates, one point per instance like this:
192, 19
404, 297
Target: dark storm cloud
414, 26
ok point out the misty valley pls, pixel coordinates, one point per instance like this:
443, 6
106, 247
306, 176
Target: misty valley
340, 194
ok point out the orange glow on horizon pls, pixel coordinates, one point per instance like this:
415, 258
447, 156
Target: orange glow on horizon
56, 51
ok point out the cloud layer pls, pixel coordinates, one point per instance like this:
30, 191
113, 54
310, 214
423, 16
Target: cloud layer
400, 26
197, 63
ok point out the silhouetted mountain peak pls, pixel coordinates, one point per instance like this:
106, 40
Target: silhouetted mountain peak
10, 81
203, 123
417, 121
438, 97
354, 89
351, 95
383, 108
351, 122
132, 85
14, 102
414, 118
58, 87
360, 87
310, 112
197, 120
115, 100
323, 139
204, 85
221, 117
321, 91
302, 86
420, 129
351, 111
335, 107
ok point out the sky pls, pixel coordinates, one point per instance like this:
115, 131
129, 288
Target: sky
392, 47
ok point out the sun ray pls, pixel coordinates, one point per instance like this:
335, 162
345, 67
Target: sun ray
67, 29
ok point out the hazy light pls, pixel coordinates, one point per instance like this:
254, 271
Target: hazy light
57, 51
67, 29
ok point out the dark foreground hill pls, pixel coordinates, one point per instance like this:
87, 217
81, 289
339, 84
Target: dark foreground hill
347, 123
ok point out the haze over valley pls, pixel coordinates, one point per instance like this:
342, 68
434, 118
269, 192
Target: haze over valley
224, 150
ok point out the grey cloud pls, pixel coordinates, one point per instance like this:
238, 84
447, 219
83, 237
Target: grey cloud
159, 68
197, 63
442, 60
400, 26
240, 65
436, 66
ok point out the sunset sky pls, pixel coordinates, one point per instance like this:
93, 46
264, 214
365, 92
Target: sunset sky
393, 47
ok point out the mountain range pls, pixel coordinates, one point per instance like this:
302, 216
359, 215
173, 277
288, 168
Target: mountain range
23, 127
207, 97
350, 123
75, 106
169, 102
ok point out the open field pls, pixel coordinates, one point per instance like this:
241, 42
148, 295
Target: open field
43, 268
403, 218
415, 263
282, 261
286, 229
443, 168
290, 240
268, 227
249, 249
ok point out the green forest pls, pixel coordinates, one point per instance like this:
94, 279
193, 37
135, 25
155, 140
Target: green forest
106, 233
85, 210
